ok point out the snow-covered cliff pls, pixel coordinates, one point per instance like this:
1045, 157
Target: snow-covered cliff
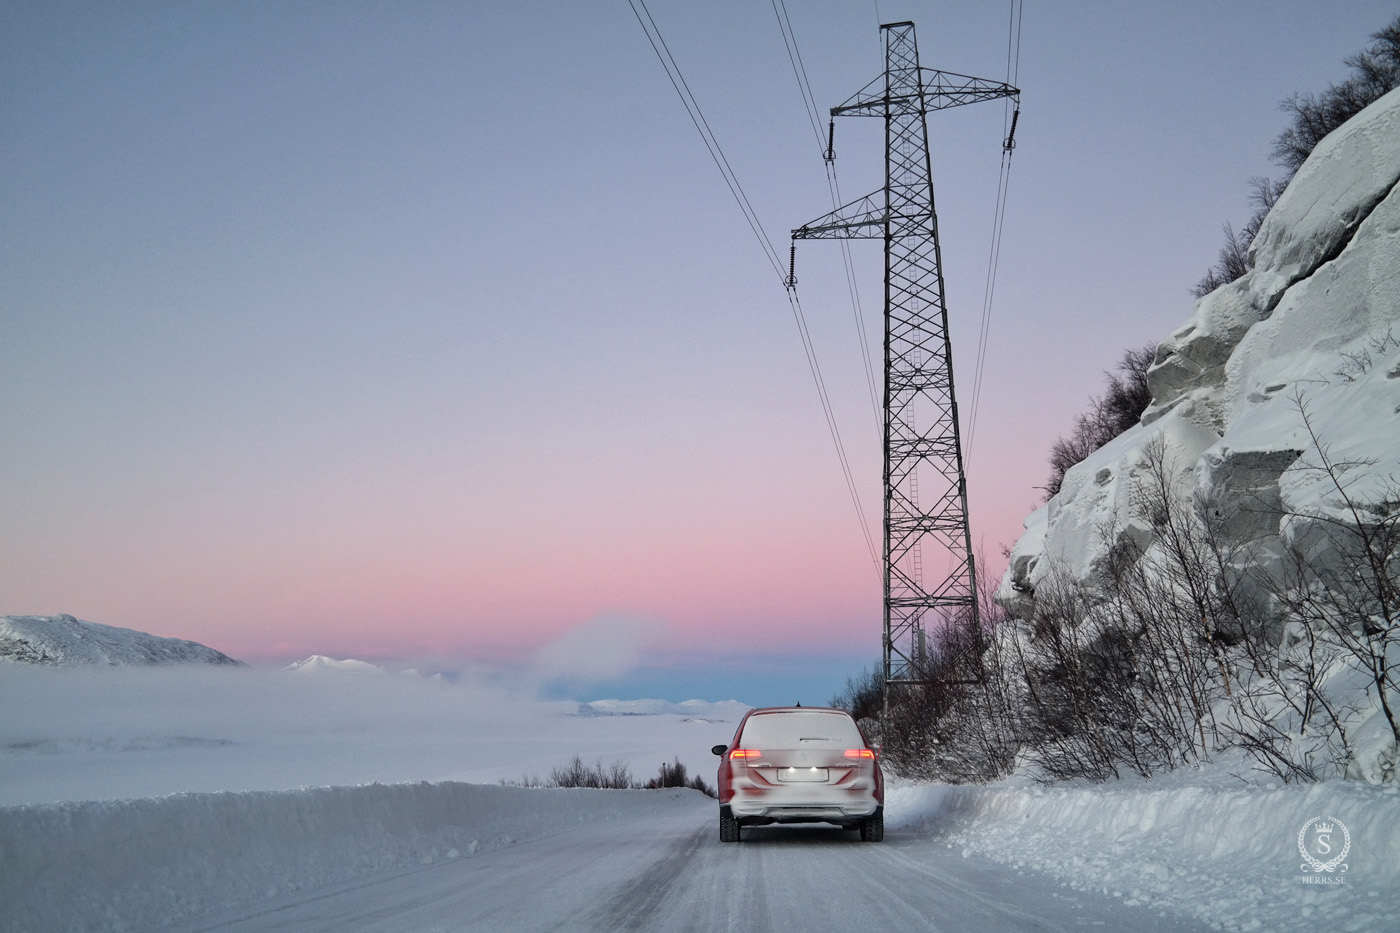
64, 641
1315, 328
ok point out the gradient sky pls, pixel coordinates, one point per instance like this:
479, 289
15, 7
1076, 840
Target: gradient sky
430, 329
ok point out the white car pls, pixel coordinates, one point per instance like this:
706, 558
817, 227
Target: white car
797, 764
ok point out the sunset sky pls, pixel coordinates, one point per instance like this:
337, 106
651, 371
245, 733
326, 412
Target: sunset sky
430, 330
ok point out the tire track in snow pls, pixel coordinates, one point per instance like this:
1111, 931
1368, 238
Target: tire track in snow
635, 906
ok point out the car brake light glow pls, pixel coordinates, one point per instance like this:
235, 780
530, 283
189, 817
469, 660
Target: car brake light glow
859, 753
745, 753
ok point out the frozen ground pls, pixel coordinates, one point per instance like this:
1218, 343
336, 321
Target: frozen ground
243, 799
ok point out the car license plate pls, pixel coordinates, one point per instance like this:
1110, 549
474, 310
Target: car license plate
792, 775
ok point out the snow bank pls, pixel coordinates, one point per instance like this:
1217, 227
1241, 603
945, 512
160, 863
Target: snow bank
135, 864
1228, 855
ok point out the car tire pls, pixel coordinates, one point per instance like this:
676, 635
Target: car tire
728, 827
873, 829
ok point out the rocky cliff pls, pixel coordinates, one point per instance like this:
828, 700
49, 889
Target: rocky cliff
1226, 574
1314, 328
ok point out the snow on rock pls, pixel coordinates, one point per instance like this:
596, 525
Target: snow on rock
1226, 854
64, 641
1346, 176
137, 864
1314, 327
1318, 217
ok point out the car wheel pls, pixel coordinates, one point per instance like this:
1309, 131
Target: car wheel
728, 827
873, 829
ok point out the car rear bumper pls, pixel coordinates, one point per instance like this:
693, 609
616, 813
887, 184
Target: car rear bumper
753, 811
758, 795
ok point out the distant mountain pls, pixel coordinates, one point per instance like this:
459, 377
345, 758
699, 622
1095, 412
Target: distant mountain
723, 711
319, 663
63, 641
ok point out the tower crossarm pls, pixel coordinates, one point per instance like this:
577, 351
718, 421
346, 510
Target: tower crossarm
862, 219
920, 90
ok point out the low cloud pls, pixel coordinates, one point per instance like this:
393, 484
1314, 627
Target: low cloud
603, 648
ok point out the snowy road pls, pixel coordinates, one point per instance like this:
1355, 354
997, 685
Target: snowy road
668, 871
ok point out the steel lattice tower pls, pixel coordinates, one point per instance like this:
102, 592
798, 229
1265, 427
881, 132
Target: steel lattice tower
929, 574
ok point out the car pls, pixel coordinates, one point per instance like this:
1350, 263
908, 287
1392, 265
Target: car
800, 764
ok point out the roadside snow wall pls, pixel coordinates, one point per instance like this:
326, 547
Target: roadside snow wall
1227, 855
134, 864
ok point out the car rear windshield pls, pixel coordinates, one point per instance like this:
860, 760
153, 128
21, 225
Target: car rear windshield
801, 729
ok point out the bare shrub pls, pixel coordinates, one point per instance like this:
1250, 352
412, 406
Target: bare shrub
864, 694
1375, 72
955, 723
1201, 630
1125, 398
1124, 670
615, 776
1347, 583
1075, 690
674, 775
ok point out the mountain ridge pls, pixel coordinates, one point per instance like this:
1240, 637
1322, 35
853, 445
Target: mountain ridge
65, 641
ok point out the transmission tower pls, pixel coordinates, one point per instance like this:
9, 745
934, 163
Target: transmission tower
929, 574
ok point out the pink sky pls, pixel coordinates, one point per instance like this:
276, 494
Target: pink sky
315, 339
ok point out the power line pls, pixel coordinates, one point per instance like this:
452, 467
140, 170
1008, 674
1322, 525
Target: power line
1009, 119
988, 294
673, 72
799, 71
851, 486
809, 104
702, 126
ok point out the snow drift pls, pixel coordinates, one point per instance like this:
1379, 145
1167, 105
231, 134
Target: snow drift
1226, 854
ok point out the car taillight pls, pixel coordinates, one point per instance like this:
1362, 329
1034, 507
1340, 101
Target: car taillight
745, 753
859, 753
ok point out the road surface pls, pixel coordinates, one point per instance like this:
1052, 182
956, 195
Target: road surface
671, 873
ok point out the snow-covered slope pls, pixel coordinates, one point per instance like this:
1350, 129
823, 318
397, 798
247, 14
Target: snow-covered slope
65, 641
1315, 325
